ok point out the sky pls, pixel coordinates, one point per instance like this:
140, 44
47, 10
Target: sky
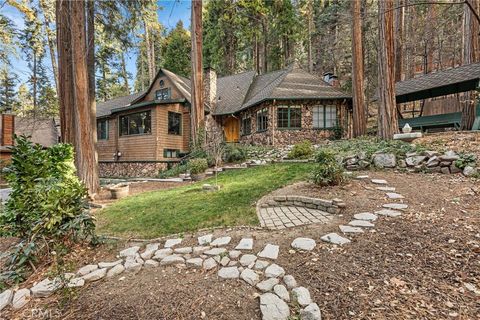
171, 11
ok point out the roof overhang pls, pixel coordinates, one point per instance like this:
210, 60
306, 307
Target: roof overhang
458, 87
148, 103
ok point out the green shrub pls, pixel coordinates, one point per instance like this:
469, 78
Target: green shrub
302, 150
325, 155
466, 160
173, 171
328, 171
196, 166
235, 153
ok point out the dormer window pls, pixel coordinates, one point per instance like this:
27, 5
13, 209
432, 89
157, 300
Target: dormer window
163, 94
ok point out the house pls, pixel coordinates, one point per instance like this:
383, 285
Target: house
141, 134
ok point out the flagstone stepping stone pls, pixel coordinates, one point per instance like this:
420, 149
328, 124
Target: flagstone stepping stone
395, 206
20, 298
215, 251
274, 271
282, 292
306, 244
249, 276
302, 296
172, 242
209, 264
368, 216
245, 244
379, 181
234, 254
95, 275
195, 262
5, 298
224, 261
79, 282
206, 239
393, 195
350, 229
267, 285
87, 269
386, 189
151, 264
173, 259
200, 250
311, 312
162, 253
118, 269
270, 252
261, 264
247, 259
222, 241
361, 223
361, 177
109, 264
290, 281
228, 273
335, 238
184, 250
388, 213
273, 308
130, 252
45, 288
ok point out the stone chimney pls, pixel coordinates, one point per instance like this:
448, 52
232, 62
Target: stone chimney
8, 129
331, 79
210, 87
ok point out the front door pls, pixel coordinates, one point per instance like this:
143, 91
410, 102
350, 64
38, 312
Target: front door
231, 129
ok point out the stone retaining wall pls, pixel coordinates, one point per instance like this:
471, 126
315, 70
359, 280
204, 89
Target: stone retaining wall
131, 169
334, 206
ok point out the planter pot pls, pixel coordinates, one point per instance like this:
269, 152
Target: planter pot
120, 191
198, 176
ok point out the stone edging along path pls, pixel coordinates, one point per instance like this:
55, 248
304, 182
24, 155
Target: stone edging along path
259, 270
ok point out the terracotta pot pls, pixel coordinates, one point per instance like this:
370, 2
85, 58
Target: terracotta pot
120, 191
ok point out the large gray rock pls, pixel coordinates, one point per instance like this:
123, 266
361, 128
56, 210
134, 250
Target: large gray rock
274, 271
249, 276
129, 252
209, 264
150, 250
415, 160
87, 269
45, 288
172, 242
222, 241
95, 275
131, 265
368, 216
245, 244
302, 296
384, 160
109, 264
282, 292
335, 238
20, 298
290, 281
162, 253
172, 260
206, 239
469, 171
311, 312
247, 259
118, 269
78, 282
273, 308
229, 273
449, 156
270, 252
267, 285
195, 262
5, 298
306, 244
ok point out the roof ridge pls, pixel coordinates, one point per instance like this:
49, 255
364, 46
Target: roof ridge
282, 72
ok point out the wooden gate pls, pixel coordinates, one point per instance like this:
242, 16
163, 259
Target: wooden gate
231, 129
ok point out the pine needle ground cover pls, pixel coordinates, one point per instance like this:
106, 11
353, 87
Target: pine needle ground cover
189, 208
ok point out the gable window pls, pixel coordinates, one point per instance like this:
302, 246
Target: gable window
174, 123
246, 125
136, 123
262, 119
324, 117
289, 117
171, 153
163, 94
102, 129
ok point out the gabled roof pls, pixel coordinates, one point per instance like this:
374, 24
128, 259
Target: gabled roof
40, 130
105, 108
231, 92
459, 79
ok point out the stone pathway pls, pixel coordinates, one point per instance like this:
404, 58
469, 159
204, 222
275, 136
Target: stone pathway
290, 216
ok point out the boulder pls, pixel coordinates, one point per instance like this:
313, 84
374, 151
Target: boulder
45, 288
302, 296
311, 312
273, 308
469, 171
384, 160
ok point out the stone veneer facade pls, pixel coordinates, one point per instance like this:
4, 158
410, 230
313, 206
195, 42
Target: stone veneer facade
276, 136
131, 169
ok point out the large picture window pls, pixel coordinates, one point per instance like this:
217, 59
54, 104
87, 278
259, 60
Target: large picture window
324, 117
102, 129
174, 123
289, 117
262, 119
136, 123
163, 94
246, 125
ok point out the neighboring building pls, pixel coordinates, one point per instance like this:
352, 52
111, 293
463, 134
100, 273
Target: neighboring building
140, 134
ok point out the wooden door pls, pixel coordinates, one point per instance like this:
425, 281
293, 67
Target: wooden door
231, 129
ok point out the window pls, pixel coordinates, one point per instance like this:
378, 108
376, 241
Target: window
163, 94
324, 116
136, 123
289, 117
262, 119
174, 123
102, 129
246, 125
171, 153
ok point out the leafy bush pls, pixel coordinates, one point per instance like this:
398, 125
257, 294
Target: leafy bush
466, 160
337, 132
48, 202
173, 171
197, 166
328, 171
302, 150
235, 153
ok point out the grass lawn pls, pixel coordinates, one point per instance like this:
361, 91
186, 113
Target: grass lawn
189, 208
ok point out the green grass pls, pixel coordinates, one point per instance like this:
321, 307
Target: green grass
189, 208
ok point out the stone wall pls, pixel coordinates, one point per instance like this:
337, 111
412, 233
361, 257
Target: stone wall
131, 169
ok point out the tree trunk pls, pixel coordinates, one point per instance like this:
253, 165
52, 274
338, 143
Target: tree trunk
151, 73
399, 36
468, 111
359, 116
431, 17
309, 42
265, 45
124, 73
197, 110
387, 112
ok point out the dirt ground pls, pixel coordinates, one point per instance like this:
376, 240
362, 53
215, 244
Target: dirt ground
459, 141
417, 266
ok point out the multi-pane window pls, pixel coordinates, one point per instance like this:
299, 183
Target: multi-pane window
163, 94
289, 117
171, 153
262, 119
102, 129
174, 123
136, 123
246, 125
324, 117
